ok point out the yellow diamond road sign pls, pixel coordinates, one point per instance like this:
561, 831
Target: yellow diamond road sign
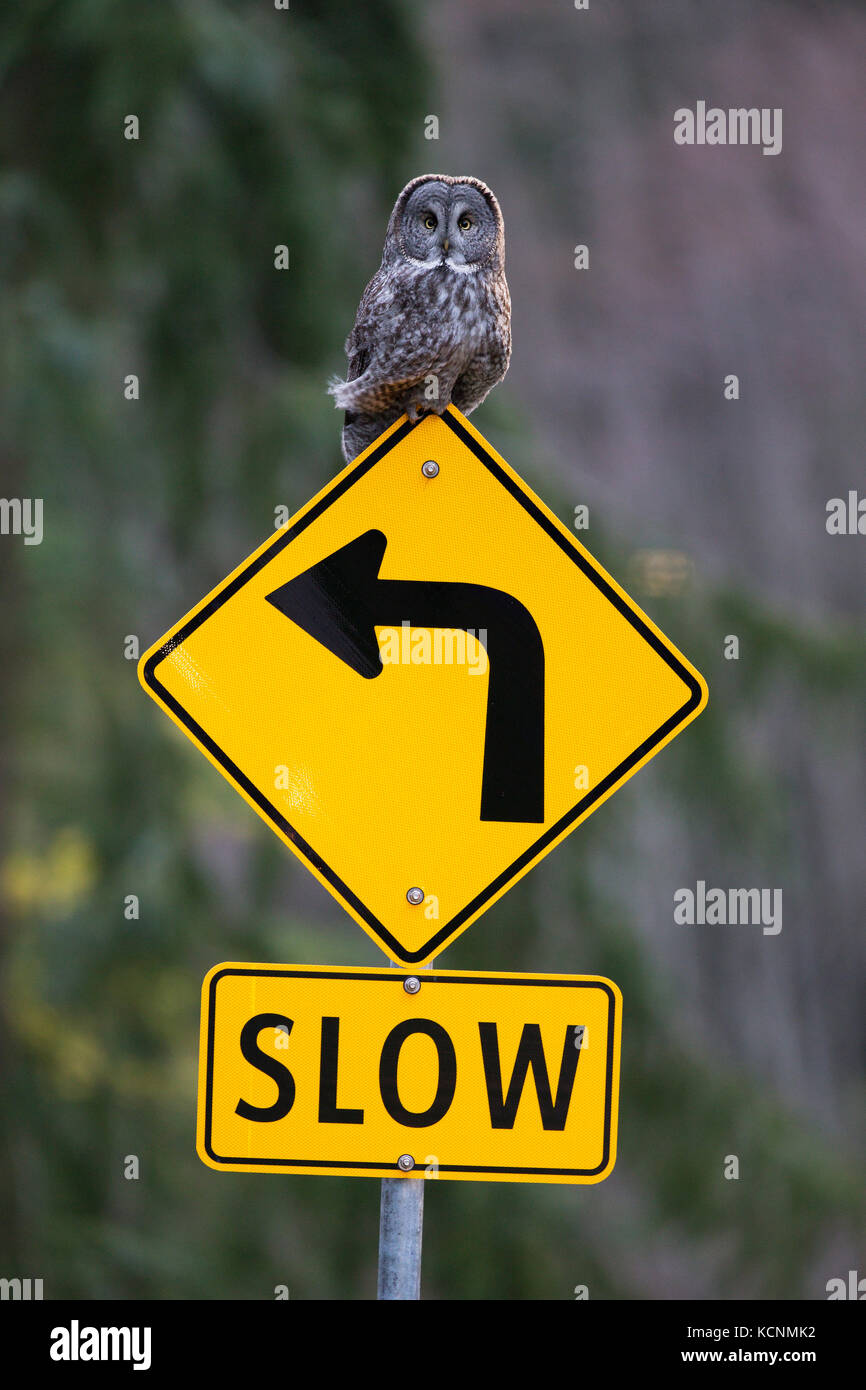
497, 1077
423, 682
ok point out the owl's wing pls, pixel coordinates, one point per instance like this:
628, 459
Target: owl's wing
393, 346
357, 345
359, 341
359, 357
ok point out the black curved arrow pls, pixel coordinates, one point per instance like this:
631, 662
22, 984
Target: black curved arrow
341, 601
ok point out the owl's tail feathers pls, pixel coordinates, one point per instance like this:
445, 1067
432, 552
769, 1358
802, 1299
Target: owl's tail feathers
336, 388
368, 395
351, 395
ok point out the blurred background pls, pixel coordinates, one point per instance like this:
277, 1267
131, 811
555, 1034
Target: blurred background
261, 127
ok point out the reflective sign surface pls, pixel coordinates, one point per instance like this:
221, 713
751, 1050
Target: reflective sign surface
498, 1077
423, 683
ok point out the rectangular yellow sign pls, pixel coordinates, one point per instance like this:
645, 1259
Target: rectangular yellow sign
377, 1072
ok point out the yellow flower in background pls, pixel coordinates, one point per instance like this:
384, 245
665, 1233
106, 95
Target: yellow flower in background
56, 881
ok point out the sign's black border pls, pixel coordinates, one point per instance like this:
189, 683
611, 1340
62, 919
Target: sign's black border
450, 929
387, 977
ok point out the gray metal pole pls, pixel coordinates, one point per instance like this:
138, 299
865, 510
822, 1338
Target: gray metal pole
401, 1223
401, 1228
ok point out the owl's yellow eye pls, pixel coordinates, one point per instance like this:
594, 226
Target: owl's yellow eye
464, 224
429, 222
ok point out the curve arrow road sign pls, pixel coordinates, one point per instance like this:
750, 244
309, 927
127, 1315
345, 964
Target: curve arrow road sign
530, 688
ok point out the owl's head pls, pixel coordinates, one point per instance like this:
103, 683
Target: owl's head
441, 220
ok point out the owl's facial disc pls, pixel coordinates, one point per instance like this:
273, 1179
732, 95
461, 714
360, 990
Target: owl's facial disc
424, 223
472, 227
448, 224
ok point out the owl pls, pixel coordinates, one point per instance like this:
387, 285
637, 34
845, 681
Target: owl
434, 324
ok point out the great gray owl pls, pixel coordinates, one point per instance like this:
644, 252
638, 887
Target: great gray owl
434, 324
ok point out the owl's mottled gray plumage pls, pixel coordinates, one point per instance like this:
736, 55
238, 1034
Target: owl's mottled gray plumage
437, 310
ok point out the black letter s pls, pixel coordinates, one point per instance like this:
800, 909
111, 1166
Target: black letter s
278, 1071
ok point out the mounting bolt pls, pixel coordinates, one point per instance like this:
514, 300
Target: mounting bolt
430, 468
415, 896
412, 984
405, 1163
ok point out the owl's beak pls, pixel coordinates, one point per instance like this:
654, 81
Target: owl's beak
445, 245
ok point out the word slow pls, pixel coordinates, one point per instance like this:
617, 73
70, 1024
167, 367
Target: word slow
503, 1098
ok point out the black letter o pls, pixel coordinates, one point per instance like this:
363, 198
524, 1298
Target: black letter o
388, 1072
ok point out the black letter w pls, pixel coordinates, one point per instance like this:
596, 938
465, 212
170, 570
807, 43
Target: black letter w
530, 1053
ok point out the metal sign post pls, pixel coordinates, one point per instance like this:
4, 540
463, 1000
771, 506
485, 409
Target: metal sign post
401, 1227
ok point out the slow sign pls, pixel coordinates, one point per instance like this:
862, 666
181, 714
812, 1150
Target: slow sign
374, 1072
